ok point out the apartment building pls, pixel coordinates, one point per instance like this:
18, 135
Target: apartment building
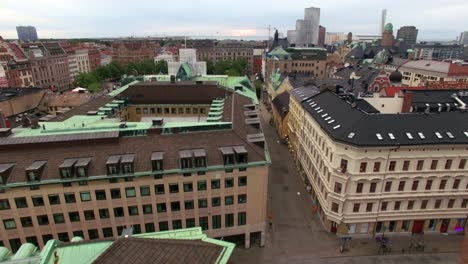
373, 173
417, 72
88, 174
128, 51
82, 60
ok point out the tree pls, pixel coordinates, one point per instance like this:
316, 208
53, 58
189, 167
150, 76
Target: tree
84, 79
231, 67
94, 87
162, 67
210, 67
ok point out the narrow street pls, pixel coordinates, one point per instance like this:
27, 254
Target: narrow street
297, 236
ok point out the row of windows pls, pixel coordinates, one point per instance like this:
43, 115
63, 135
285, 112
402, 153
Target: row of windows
104, 213
108, 232
384, 206
159, 189
406, 165
171, 110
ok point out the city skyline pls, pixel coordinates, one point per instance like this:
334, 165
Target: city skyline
81, 19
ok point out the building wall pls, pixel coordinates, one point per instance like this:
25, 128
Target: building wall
386, 105
414, 77
52, 71
337, 195
72, 66
133, 51
280, 123
21, 104
136, 112
316, 68
94, 59
82, 60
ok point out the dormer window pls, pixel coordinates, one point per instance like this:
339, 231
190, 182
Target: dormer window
241, 154
228, 155
157, 161
5, 171
185, 159
127, 162
34, 172
66, 168
82, 167
200, 158
113, 165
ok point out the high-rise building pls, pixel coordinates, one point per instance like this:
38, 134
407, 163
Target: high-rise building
463, 38
321, 37
307, 30
383, 19
408, 34
26, 33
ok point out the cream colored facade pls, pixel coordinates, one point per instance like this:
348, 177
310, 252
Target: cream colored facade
82, 61
386, 105
396, 189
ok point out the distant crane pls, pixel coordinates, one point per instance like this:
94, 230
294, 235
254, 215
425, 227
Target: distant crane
269, 34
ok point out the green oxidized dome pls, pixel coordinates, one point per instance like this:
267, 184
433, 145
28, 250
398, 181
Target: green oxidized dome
388, 27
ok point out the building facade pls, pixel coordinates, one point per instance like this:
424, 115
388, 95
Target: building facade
366, 180
82, 60
94, 57
321, 37
437, 51
107, 176
409, 34
128, 51
27, 33
306, 33
416, 73
19, 73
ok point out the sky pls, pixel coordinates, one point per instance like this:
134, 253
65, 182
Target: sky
435, 19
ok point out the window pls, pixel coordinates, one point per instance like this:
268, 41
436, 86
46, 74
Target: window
115, 193
373, 187
130, 192
406, 164
401, 186
369, 207
100, 195
464, 203
420, 165
434, 164
9, 223
34, 172
442, 184
186, 163
388, 186
242, 198
15, 244
337, 187
216, 201
104, 213
107, 232
462, 164
118, 212
397, 206
159, 188
127, 167
228, 182
4, 204
228, 159
359, 187
414, 187
215, 184
42, 220
410, 205
363, 167
229, 220
437, 203
392, 165
428, 185
188, 205
376, 166
145, 191
448, 164
200, 162
21, 202
383, 206
456, 183
203, 222
74, 216
344, 165
149, 227
161, 207
176, 224
133, 210
85, 196
188, 187
216, 221
26, 221
173, 187
38, 201
356, 208
202, 203
432, 224
335, 207
242, 181
201, 185
175, 206
423, 204
229, 200
147, 209
138, 110
241, 218
157, 164
89, 215
93, 234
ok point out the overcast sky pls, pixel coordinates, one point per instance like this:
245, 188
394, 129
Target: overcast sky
435, 19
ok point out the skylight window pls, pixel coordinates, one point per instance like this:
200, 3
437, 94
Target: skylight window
391, 136
336, 127
328, 118
379, 136
324, 115
466, 134
320, 111
421, 135
313, 105
449, 134
317, 108
409, 135
351, 135
438, 135
331, 121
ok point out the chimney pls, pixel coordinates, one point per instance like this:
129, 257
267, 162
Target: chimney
407, 102
173, 79
25, 121
35, 123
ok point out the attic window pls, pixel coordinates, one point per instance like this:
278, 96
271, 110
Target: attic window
466, 134
228, 155
241, 154
379, 136
82, 167
185, 159
331, 121
391, 136
200, 158
113, 165
324, 115
438, 135
316, 109
409, 135
320, 111
66, 168
128, 163
351, 135
328, 118
157, 160
336, 127
5, 171
449, 134
313, 105
421, 135
34, 172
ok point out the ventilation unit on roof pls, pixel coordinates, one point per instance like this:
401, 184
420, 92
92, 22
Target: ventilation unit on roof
351, 135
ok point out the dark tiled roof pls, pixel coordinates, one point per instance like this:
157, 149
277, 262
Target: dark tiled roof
281, 103
363, 105
352, 126
145, 250
305, 92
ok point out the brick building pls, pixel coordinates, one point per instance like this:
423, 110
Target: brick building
128, 51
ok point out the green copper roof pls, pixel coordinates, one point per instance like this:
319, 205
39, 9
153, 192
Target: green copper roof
388, 27
121, 89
